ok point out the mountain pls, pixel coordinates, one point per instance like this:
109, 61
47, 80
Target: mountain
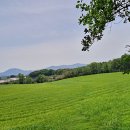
14, 71
66, 66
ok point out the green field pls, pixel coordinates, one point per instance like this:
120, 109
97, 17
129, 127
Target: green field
95, 102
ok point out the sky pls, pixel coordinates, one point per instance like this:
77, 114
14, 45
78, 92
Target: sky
35, 34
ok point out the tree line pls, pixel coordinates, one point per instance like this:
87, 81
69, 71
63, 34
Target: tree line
48, 75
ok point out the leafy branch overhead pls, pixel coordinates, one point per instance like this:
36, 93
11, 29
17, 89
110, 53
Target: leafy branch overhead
97, 14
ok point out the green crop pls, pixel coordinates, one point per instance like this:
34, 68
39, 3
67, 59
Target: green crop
95, 102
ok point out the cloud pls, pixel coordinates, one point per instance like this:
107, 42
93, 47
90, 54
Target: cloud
30, 22
32, 7
36, 34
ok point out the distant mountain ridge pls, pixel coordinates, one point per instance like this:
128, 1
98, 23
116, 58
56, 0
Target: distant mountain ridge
66, 66
14, 71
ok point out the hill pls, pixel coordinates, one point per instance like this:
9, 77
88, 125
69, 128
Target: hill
66, 66
14, 71
95, 102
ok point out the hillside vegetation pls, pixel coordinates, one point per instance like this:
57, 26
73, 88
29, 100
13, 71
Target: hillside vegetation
48, 75
116, 65
94, 102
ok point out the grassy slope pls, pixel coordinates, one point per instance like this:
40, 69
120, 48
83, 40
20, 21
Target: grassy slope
96, 102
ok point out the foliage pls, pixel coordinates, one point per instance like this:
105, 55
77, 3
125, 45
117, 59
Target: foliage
46, 72
21, 79
97, 14
12, 76
95, 102
114, 65
41, 78
44, 75
28, 80
125, 66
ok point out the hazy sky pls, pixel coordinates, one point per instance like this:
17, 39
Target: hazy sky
35, 34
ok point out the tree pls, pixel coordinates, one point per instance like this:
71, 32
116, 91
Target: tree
116, 65
97, 14
94, 68
21, 79
125, 63
41, 78
13, 76
45, 72
28, 80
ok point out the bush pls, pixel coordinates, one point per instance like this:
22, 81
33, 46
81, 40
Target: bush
41, 79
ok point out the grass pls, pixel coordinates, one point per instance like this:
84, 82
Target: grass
95, 102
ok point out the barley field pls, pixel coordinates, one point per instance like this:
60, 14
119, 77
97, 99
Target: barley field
95, 102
